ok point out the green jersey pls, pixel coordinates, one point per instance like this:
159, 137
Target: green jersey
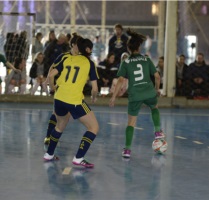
138, 69
3, 59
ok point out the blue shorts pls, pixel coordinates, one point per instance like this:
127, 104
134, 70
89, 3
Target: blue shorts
61, 109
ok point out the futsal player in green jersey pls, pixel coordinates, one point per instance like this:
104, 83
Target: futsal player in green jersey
74, 71
53, 121
138, 69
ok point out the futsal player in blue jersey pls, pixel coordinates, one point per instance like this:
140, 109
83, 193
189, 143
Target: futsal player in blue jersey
74, 71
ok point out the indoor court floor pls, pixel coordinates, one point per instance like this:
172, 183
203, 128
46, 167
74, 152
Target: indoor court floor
180, 174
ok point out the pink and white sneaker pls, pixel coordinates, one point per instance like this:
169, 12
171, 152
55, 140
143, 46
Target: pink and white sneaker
159, 135
82, 162
48, 157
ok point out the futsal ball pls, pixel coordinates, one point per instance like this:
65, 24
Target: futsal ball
159, 146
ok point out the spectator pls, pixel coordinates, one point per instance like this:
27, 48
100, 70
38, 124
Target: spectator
124, 86
98, 48
51, 38
197, 77
38, 46
118, 43
181, 68
17, 79
39, 71
22, 46
107, 71
7, 64
55, 48
10, 47
160, 69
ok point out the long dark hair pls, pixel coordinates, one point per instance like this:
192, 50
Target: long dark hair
135, 40
83, 44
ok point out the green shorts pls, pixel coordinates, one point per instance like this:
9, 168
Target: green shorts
0, 80
134, 107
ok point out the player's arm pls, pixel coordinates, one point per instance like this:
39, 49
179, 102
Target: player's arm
51, 76
116, 91
157, 82
94, 91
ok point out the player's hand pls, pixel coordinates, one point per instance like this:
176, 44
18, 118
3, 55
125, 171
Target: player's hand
158, 93
112, 102
93, 99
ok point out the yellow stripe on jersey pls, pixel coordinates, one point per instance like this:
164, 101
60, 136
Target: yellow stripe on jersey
87, 140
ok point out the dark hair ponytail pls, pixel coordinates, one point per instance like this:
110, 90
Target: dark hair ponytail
135, 40
83, 44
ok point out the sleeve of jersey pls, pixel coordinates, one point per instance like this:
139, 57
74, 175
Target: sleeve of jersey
122, 70
93, 74
153, 69
58, 63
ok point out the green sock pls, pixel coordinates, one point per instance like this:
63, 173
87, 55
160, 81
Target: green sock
156, 119
129, 136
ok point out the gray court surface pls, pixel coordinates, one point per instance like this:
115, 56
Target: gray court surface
180, 174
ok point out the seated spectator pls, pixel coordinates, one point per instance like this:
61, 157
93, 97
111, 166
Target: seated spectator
197, 77
107, 71
16, 79
39, 71
160, 69
8, 65
181, 68
124, 86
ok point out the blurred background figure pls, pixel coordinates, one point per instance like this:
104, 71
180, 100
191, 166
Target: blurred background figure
181, 68
98, 49
16, 79
118, 43
124, 86
38, 72
38, 46
148, 45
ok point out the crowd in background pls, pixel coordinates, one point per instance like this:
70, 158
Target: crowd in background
191, 80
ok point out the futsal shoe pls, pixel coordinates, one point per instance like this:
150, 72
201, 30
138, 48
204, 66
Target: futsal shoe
159, 135
48, 157
46, 140
82, 162
126, 153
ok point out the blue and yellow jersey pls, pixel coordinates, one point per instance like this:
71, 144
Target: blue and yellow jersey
74, 72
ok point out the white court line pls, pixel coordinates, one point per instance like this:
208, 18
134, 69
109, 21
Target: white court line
67, 171
197, 142
179, 137
139, 128
115, 112
112, 123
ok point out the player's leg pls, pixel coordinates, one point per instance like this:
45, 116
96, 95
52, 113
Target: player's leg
90, 122
51, 125
55, 136
152, 103
62, 116
133, 110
